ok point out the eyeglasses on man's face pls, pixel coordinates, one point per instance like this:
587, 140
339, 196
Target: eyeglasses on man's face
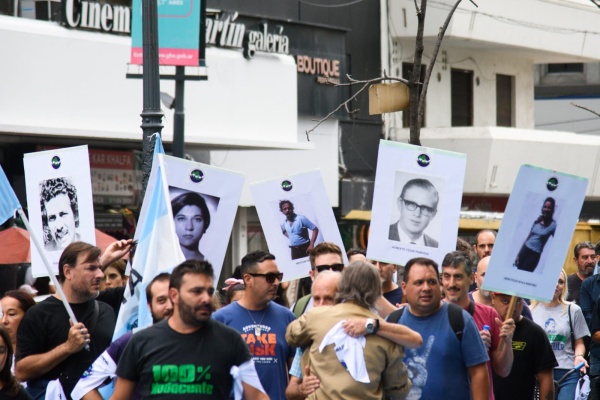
270, 276
333, 267
412, 206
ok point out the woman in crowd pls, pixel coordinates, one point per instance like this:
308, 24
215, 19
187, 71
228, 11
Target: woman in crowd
14, 304
541, 230
192, 219
10, 389
566, 328
114, 275
234, 290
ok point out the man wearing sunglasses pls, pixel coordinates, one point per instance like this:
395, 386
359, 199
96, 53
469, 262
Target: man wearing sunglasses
326, 256
262, 322
418, 206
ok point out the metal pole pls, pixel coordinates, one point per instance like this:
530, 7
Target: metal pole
151, 114
179, 119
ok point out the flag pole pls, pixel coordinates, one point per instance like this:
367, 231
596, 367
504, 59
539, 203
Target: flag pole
49, 269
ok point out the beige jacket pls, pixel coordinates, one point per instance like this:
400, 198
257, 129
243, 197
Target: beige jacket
387, 372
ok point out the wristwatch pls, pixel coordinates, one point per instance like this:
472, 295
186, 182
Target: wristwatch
370, 326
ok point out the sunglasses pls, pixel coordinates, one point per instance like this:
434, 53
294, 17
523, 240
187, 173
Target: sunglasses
270, 277
333, 267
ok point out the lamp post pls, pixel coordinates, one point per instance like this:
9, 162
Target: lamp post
151, 113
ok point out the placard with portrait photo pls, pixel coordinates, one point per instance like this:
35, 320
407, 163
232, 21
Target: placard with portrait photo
204, 202
295, 215
60, 205
535, 234
416, 203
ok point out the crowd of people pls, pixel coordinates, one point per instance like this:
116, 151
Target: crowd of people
362, 333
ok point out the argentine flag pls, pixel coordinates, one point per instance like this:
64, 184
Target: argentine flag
8, 200
157, 250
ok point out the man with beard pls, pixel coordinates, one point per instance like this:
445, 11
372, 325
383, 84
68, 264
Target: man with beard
105, 366
188, 356
49, 346
457, 275
262, 322
295, 227
585, 259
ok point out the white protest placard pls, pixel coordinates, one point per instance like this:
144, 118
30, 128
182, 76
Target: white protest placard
204, 201
59, 196
416, 203
295, 215
535, 233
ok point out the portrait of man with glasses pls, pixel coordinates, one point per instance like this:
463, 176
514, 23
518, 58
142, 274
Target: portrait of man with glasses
417, 204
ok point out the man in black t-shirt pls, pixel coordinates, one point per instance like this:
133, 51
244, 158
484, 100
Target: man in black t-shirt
533, 357
190, 355
48, 346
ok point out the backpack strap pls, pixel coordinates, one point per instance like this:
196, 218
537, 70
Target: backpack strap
300, 305
455, 317
394, 316
571, 328
456, 320
471, 308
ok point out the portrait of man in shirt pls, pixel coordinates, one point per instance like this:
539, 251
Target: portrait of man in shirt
418, 206
296, 228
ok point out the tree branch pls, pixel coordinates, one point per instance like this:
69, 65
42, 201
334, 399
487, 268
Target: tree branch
586, 109
436, 49
345, 104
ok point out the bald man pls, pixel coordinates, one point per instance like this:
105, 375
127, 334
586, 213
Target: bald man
485, 296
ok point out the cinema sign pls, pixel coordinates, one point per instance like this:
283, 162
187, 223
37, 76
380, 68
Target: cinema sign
92, 15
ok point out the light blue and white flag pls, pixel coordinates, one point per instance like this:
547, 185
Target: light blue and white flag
157, 251
8, 200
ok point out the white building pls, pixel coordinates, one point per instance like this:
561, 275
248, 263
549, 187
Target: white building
481, 94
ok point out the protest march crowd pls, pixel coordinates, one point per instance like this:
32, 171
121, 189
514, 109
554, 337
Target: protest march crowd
358, 335
144, 318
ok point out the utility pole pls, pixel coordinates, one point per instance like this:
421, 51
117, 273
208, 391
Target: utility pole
151, 113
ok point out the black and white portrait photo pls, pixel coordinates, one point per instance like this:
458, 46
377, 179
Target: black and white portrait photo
60, 200
418, 206
60, 213
192, 217
416, 203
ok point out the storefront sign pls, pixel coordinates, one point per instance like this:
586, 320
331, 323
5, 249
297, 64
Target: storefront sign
178, 32
224, 31
92, 15
114, 179
326, 70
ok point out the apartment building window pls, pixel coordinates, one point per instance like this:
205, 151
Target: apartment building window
406, 73
461, 87
570, 68
505, 100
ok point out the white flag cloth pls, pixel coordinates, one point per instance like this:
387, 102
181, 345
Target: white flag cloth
54, 391
349, 351
157, 250
244, 373
104, 367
